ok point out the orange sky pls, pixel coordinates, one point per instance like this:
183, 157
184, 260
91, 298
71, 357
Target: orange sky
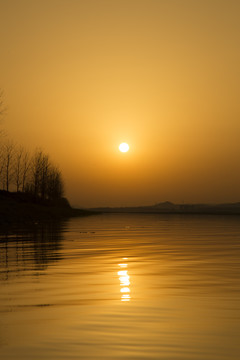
80, 77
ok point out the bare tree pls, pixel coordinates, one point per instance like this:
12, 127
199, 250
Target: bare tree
45, 165
35, 167
8, 156
55, 184
17, 170
46, 180
26, 162
21, 167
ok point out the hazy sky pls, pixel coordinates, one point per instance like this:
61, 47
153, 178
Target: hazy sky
80, 77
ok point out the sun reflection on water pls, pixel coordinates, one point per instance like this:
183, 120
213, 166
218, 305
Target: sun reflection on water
124, 279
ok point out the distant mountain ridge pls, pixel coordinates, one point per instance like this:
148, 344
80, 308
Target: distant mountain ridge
168, 207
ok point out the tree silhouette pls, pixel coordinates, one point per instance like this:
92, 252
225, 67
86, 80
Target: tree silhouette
8, 164
26, 162
45, 181
17, 178
34, 174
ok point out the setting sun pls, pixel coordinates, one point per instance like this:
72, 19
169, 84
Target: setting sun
124, 147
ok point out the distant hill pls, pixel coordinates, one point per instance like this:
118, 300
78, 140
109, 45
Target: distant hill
171, 208
165, 205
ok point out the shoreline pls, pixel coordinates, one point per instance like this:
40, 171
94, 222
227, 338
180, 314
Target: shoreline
177, 209
17, 208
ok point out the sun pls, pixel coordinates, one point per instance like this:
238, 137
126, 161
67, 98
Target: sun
123, 147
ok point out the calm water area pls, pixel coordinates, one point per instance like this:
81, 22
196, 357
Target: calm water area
122, 287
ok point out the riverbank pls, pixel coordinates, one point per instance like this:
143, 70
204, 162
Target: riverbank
21, 208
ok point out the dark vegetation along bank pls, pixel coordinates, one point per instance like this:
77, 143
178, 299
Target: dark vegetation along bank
31, 187
23, 208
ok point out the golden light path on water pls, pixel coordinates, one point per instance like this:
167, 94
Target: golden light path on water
124, 279
121, 286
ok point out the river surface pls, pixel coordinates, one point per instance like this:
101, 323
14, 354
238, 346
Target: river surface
122, 287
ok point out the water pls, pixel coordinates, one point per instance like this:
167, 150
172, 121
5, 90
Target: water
122, 287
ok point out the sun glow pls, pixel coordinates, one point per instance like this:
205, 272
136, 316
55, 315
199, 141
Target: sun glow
123, 147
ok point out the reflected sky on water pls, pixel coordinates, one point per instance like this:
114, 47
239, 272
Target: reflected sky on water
122, 287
